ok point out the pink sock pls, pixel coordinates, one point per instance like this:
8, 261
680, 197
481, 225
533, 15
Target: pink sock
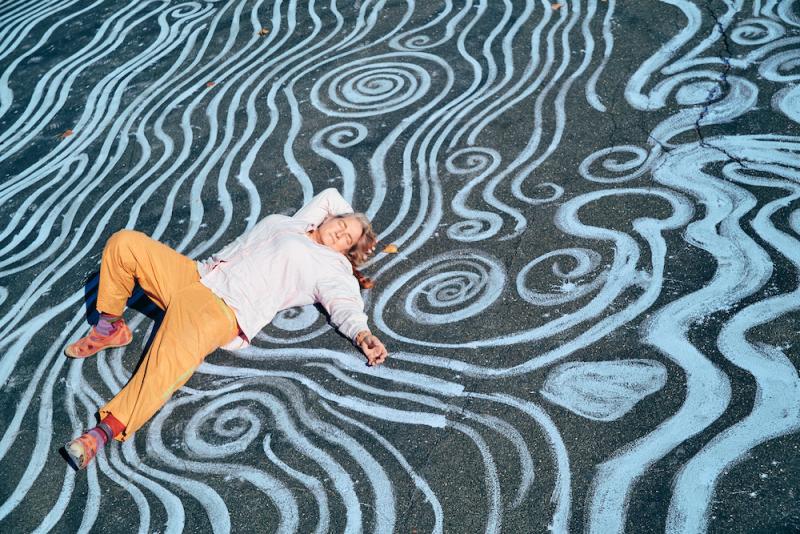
99, 436
107, 324
114, 425
104, 431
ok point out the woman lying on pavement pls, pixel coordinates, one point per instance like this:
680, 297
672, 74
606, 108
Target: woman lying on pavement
223, 302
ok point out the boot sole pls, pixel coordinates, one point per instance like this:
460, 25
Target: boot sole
79, 357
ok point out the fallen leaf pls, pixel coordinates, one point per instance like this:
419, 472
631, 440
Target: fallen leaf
66, 134
211, 84
263, 31
555, 7
390, 249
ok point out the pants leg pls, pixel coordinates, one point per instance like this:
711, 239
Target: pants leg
131, 257
196, 323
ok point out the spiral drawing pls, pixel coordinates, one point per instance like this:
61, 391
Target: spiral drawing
593, 317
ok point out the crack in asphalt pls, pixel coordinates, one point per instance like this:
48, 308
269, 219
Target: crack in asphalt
415, 499
714, 92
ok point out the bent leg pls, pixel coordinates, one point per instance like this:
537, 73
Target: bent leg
196, 323
131, 256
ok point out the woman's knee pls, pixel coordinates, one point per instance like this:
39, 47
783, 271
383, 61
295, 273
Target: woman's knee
123, 238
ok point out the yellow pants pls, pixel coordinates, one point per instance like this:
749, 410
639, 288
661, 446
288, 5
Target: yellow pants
195, 323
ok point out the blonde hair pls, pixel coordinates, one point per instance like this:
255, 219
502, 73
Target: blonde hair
362, 249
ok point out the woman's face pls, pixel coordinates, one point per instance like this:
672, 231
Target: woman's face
340, 233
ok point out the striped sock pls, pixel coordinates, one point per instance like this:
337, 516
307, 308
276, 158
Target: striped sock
99, 435
106, 430
114, 425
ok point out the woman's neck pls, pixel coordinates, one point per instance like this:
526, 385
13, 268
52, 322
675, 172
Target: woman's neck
314, 235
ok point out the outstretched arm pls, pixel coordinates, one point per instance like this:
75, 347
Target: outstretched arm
372, 347
341, 298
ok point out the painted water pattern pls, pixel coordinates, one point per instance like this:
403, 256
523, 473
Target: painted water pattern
594, 305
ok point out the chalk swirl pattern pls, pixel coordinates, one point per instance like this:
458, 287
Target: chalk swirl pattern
586, 261
466, 281
595, 224
369, 88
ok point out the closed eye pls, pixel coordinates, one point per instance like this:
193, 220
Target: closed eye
343, 227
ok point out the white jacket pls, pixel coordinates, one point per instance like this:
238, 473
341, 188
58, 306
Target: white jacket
276, 266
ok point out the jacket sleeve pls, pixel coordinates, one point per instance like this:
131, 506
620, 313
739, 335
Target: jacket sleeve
328, 202
341, 298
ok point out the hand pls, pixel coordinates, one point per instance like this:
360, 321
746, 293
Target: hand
373, 349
